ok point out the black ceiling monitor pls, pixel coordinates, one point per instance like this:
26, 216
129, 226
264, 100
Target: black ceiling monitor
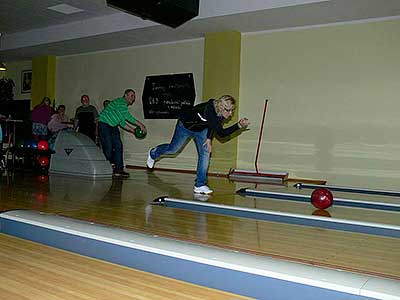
172, 13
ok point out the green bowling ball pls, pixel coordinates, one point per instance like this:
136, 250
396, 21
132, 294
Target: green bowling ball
139, 134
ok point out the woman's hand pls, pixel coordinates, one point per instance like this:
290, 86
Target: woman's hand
207, 143
244, 122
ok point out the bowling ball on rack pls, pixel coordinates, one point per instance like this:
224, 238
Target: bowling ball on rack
43, 161
139, 133
43, 178
43, 145
322, 198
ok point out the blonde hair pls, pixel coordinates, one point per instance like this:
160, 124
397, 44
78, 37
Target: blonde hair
225, 102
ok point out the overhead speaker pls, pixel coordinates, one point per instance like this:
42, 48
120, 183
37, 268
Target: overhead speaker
172, 13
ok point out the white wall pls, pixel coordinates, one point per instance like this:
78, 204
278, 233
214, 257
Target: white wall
334, 103
106, 75
334, 99
14, 71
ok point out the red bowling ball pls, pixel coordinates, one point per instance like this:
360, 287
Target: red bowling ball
43, 161
322, 198
43, 145
43, 178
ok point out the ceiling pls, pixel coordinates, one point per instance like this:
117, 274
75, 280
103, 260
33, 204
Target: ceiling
30, 29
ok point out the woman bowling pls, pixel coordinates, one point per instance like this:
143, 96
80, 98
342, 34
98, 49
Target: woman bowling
200, 122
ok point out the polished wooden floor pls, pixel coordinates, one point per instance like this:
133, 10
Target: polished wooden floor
126, 204
30, 271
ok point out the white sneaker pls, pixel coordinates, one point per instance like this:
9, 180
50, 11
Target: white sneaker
202, 190
150, 161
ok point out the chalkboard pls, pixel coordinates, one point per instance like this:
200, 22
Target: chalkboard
165, 96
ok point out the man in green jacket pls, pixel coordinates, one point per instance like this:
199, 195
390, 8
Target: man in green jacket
114, 115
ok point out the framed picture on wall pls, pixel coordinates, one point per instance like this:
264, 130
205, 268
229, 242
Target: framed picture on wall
26, 81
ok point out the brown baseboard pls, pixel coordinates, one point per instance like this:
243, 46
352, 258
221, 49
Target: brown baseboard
212, 174
311, 181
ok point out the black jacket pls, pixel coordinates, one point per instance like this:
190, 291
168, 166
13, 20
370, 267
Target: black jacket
203, 116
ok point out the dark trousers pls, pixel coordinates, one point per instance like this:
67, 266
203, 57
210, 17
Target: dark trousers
89, 131
112, 145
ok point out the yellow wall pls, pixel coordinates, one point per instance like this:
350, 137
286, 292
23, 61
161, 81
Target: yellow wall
106, 75
43, 78
222, 76
334, 99
334, 102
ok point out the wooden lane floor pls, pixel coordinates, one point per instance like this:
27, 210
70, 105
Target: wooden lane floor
34, 271
336, 194
335, 211
125, 203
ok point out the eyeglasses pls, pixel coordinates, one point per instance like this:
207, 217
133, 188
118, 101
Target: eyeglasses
229, 110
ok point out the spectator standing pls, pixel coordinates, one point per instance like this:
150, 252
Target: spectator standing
86, 117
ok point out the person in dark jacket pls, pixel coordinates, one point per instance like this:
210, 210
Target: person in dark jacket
85, 120
200, 122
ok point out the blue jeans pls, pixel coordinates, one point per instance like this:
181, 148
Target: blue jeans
112, 145
179, 139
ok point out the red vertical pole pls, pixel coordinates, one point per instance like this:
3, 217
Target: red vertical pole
260, 135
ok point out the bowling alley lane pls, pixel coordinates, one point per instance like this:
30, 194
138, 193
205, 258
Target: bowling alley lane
306, 208
126, 204
289, 188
